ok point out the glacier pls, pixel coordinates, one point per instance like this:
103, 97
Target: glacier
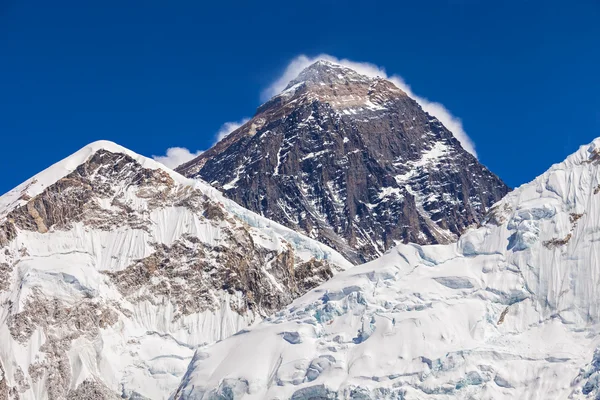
511, 310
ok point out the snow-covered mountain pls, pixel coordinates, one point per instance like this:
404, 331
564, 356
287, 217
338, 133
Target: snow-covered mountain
353, 162
114, 268
510, 311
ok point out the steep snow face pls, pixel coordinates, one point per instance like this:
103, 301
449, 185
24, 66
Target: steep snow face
510, 311
353, 162
114, 268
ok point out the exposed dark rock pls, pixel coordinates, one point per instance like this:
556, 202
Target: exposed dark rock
86, 317
503, 315
5, 272
74, 198
353, 162
22, 384
7, 233
61, 325
91, 390
558, 242
4, 388
55, 366
189, 273
574, 217
554, 243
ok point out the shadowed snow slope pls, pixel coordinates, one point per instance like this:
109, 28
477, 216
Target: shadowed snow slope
511, 311
114, 268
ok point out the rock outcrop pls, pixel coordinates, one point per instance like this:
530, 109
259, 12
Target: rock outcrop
353, 162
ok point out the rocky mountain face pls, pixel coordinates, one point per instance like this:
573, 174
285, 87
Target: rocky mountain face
114, 268
353, 162
510, 311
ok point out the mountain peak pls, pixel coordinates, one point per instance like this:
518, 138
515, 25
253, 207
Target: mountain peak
109, 247
38, 183
353, 161
327, 73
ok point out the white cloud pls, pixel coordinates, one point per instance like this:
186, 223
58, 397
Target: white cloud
229, 127
176, 156
453, 123
179, 155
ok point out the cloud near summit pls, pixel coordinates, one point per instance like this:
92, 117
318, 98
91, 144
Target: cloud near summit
177, 155
229, 127
453, 123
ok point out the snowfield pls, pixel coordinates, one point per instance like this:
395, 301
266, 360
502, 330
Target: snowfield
511, 311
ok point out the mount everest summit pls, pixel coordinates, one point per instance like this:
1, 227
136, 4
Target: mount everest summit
353, 162
120, 278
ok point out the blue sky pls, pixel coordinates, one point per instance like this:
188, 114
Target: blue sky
521, 75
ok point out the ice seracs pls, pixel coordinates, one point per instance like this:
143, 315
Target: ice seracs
114, 268
509, 311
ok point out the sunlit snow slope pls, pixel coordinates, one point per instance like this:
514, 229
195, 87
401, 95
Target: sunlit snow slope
114, 268
509, 312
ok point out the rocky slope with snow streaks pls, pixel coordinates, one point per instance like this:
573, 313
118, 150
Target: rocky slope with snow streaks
114, 268
353, 162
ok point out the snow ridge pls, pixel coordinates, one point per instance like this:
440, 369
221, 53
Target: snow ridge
509, 311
